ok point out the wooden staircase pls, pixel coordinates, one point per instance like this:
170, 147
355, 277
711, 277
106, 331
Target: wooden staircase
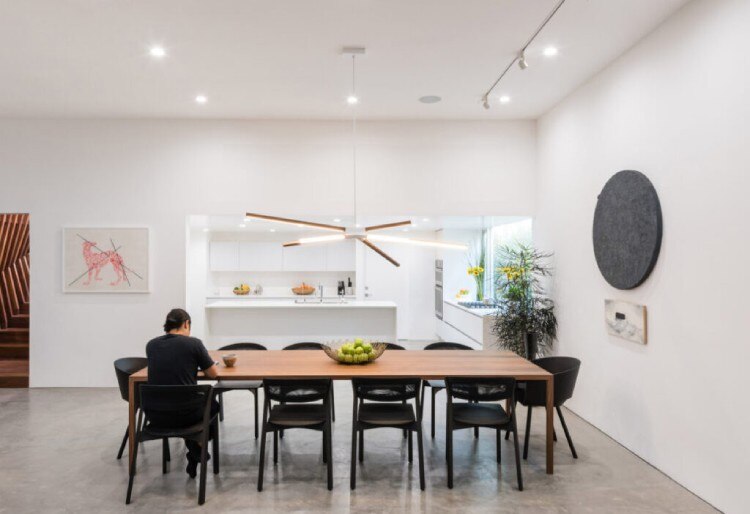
14, 300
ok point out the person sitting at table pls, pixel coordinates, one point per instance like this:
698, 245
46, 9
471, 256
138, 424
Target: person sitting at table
174, 359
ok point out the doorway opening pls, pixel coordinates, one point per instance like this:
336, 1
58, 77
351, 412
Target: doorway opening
14, 300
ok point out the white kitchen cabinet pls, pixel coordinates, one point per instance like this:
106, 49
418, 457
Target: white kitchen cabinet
257, 256
340, 256
224, 256
304, 258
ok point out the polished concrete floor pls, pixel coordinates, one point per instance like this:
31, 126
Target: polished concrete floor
58, 446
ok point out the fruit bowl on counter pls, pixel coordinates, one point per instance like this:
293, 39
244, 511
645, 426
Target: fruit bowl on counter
304, 289
357, 351
241, 290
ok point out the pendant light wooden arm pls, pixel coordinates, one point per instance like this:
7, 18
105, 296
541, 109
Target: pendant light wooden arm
381, 252
388, 225
291, 221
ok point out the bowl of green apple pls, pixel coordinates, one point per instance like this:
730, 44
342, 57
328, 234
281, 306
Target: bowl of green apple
356, 351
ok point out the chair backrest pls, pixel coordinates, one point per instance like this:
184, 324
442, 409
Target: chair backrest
474, 389
243, 346
392, 389
444, 345
296, 391
304, 346
565, 371
394, 346
124, 368
175, 405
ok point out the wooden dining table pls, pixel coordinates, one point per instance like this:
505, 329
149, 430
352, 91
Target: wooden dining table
428, 365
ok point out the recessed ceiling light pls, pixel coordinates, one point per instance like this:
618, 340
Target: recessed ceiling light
352, 100
157, 52
201, 99
336, 220
357, 225
425, 219
272, 230
504, 99
430, 99
205, 230
404, 230
550, 51
241, 225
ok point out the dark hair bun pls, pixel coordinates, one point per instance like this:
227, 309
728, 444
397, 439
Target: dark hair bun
175, 319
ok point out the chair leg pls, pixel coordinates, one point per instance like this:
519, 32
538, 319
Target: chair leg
476, 432
420, 455
329, 457
131, 478
567, 433
215, 447
262, 457
554, 435
325, 447
449, 452
221, 407
276, 447
432, 406
122, 445
164, 452
518, 460
204, 460
333, 408
361, 446
353, 470
411, 450
255, 397
403, 402
497, 436
507, 432
526, 437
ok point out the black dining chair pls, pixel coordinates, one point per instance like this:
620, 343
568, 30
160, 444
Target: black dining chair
125, 367
533, 393
313, 346
224, 386
383, 403
294, 409
182, 411
394, 346
481, 410
438, 385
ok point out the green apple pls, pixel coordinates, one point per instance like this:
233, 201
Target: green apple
367, 347
348, 358
358, 341
359, 350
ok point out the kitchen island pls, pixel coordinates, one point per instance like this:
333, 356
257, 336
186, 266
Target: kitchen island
278, 322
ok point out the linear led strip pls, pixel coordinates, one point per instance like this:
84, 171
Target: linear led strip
417, 242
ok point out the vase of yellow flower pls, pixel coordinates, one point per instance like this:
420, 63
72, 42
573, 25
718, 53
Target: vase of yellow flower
477, 266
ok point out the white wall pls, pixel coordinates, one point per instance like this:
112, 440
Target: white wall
676, 108
155, 173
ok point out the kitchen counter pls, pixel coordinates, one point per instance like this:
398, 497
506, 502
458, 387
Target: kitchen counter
292, 304
489, 311
284, 321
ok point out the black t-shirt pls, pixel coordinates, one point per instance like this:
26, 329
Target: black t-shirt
174, 360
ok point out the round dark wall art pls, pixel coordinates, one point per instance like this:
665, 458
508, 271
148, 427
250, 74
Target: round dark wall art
627, 229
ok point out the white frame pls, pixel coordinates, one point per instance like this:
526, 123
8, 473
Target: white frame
146, 289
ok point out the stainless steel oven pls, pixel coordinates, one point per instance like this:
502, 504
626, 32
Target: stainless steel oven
439, 289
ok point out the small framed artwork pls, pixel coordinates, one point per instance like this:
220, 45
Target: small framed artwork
626, 320
106, 260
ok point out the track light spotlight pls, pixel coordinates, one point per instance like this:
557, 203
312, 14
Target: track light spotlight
522, 61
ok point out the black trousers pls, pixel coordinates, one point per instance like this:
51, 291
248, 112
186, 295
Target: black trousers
186, 419
194, 447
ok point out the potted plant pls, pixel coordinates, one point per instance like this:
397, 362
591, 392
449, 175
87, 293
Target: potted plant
525, 322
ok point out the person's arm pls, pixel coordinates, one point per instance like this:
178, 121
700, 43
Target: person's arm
205, 362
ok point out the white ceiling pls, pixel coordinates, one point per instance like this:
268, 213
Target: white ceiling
281, 58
